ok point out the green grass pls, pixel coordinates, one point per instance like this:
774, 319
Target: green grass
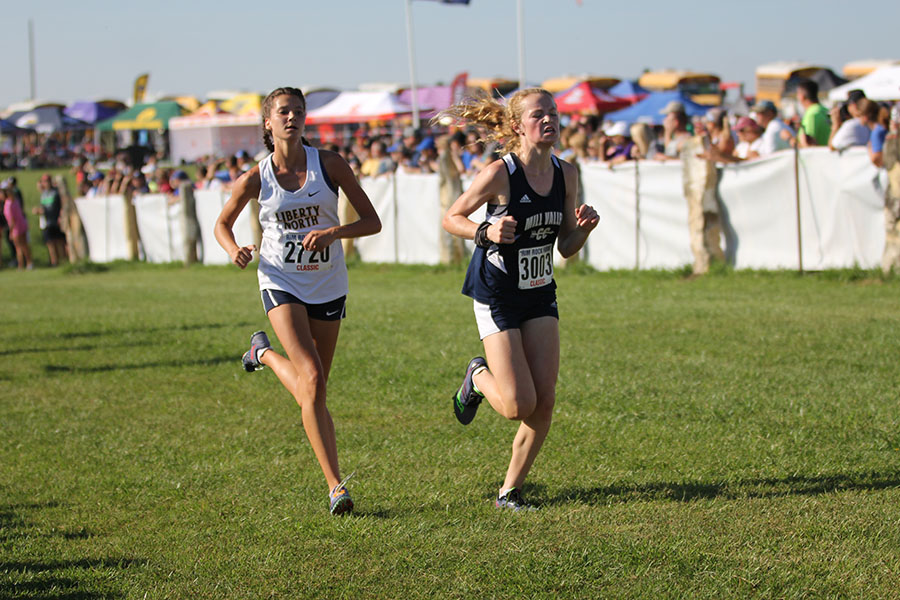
734, 436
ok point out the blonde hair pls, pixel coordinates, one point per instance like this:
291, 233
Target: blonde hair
481, 109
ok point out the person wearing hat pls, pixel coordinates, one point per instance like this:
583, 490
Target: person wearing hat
848, 132
749, 139
428, 156
776, 135
620, 147
675, 130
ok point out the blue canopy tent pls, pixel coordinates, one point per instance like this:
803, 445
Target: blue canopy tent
318, 98
649, 110
9, 128
91, 112
628, 89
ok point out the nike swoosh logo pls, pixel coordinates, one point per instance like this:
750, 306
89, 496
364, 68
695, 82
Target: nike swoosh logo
331, 314
311, 194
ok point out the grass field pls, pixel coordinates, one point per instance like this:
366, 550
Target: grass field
734, 436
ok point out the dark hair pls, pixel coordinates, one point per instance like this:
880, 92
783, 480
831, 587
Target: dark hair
267, 108
855, 96
810, 87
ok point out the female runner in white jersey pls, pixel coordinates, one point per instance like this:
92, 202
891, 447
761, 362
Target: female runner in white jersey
302, 275
531, 201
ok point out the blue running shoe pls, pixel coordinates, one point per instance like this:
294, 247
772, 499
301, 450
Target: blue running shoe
467, 399
339, 498
259, 343
512, 500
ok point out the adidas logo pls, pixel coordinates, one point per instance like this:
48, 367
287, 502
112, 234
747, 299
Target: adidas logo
525, 199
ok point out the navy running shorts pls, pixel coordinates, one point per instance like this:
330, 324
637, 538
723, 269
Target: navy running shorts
495, 318
335, 310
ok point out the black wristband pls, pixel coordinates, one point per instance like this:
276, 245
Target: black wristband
481, 238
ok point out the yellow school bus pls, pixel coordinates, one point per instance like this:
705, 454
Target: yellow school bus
858, 68
493, 85
702, 88
772, 77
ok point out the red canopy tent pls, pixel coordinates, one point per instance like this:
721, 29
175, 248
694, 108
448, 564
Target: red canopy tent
583, 98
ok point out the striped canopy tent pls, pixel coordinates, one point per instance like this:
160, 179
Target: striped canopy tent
153, 116
46, 119
10, 128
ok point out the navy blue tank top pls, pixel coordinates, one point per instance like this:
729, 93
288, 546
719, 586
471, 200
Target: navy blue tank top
521, 272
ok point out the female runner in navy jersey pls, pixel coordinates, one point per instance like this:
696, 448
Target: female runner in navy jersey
302, 275
530, 197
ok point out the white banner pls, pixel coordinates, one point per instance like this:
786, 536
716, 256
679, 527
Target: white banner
381, 248
841, 199
842, 223
103, 218
160, 228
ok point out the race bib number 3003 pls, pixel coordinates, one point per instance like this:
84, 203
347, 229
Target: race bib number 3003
535, 267
298, 259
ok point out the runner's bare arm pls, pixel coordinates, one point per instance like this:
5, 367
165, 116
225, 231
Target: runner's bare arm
491, 184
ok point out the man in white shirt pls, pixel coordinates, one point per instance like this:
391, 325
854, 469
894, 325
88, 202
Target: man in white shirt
776, 135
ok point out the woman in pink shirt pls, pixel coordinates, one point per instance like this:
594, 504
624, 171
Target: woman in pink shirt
18, 228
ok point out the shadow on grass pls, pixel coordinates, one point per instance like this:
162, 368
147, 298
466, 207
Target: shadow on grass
71, 335
82, 347
49, 577
198, 362
742, 488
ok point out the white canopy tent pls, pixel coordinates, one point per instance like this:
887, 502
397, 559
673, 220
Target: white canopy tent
881, 84
359, 107
194, 136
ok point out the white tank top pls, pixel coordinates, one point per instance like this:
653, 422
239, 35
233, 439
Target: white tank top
286, 217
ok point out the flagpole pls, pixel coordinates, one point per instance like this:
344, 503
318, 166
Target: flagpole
412, 65
521, 19
31, 69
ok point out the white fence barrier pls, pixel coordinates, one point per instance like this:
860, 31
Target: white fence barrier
104, 222
841, 199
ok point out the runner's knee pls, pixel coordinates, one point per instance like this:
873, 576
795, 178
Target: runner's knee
520, 404
310, 387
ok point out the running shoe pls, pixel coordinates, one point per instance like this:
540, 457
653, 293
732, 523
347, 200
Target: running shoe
512, 500
467, 399
259, 343
339, 498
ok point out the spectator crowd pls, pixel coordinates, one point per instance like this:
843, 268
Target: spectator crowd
725, 136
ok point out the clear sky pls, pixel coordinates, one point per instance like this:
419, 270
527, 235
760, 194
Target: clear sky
93, 49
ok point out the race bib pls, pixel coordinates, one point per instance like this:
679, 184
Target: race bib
535, 267
298, 259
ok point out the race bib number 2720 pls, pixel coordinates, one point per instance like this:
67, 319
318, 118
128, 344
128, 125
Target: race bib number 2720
297, 258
